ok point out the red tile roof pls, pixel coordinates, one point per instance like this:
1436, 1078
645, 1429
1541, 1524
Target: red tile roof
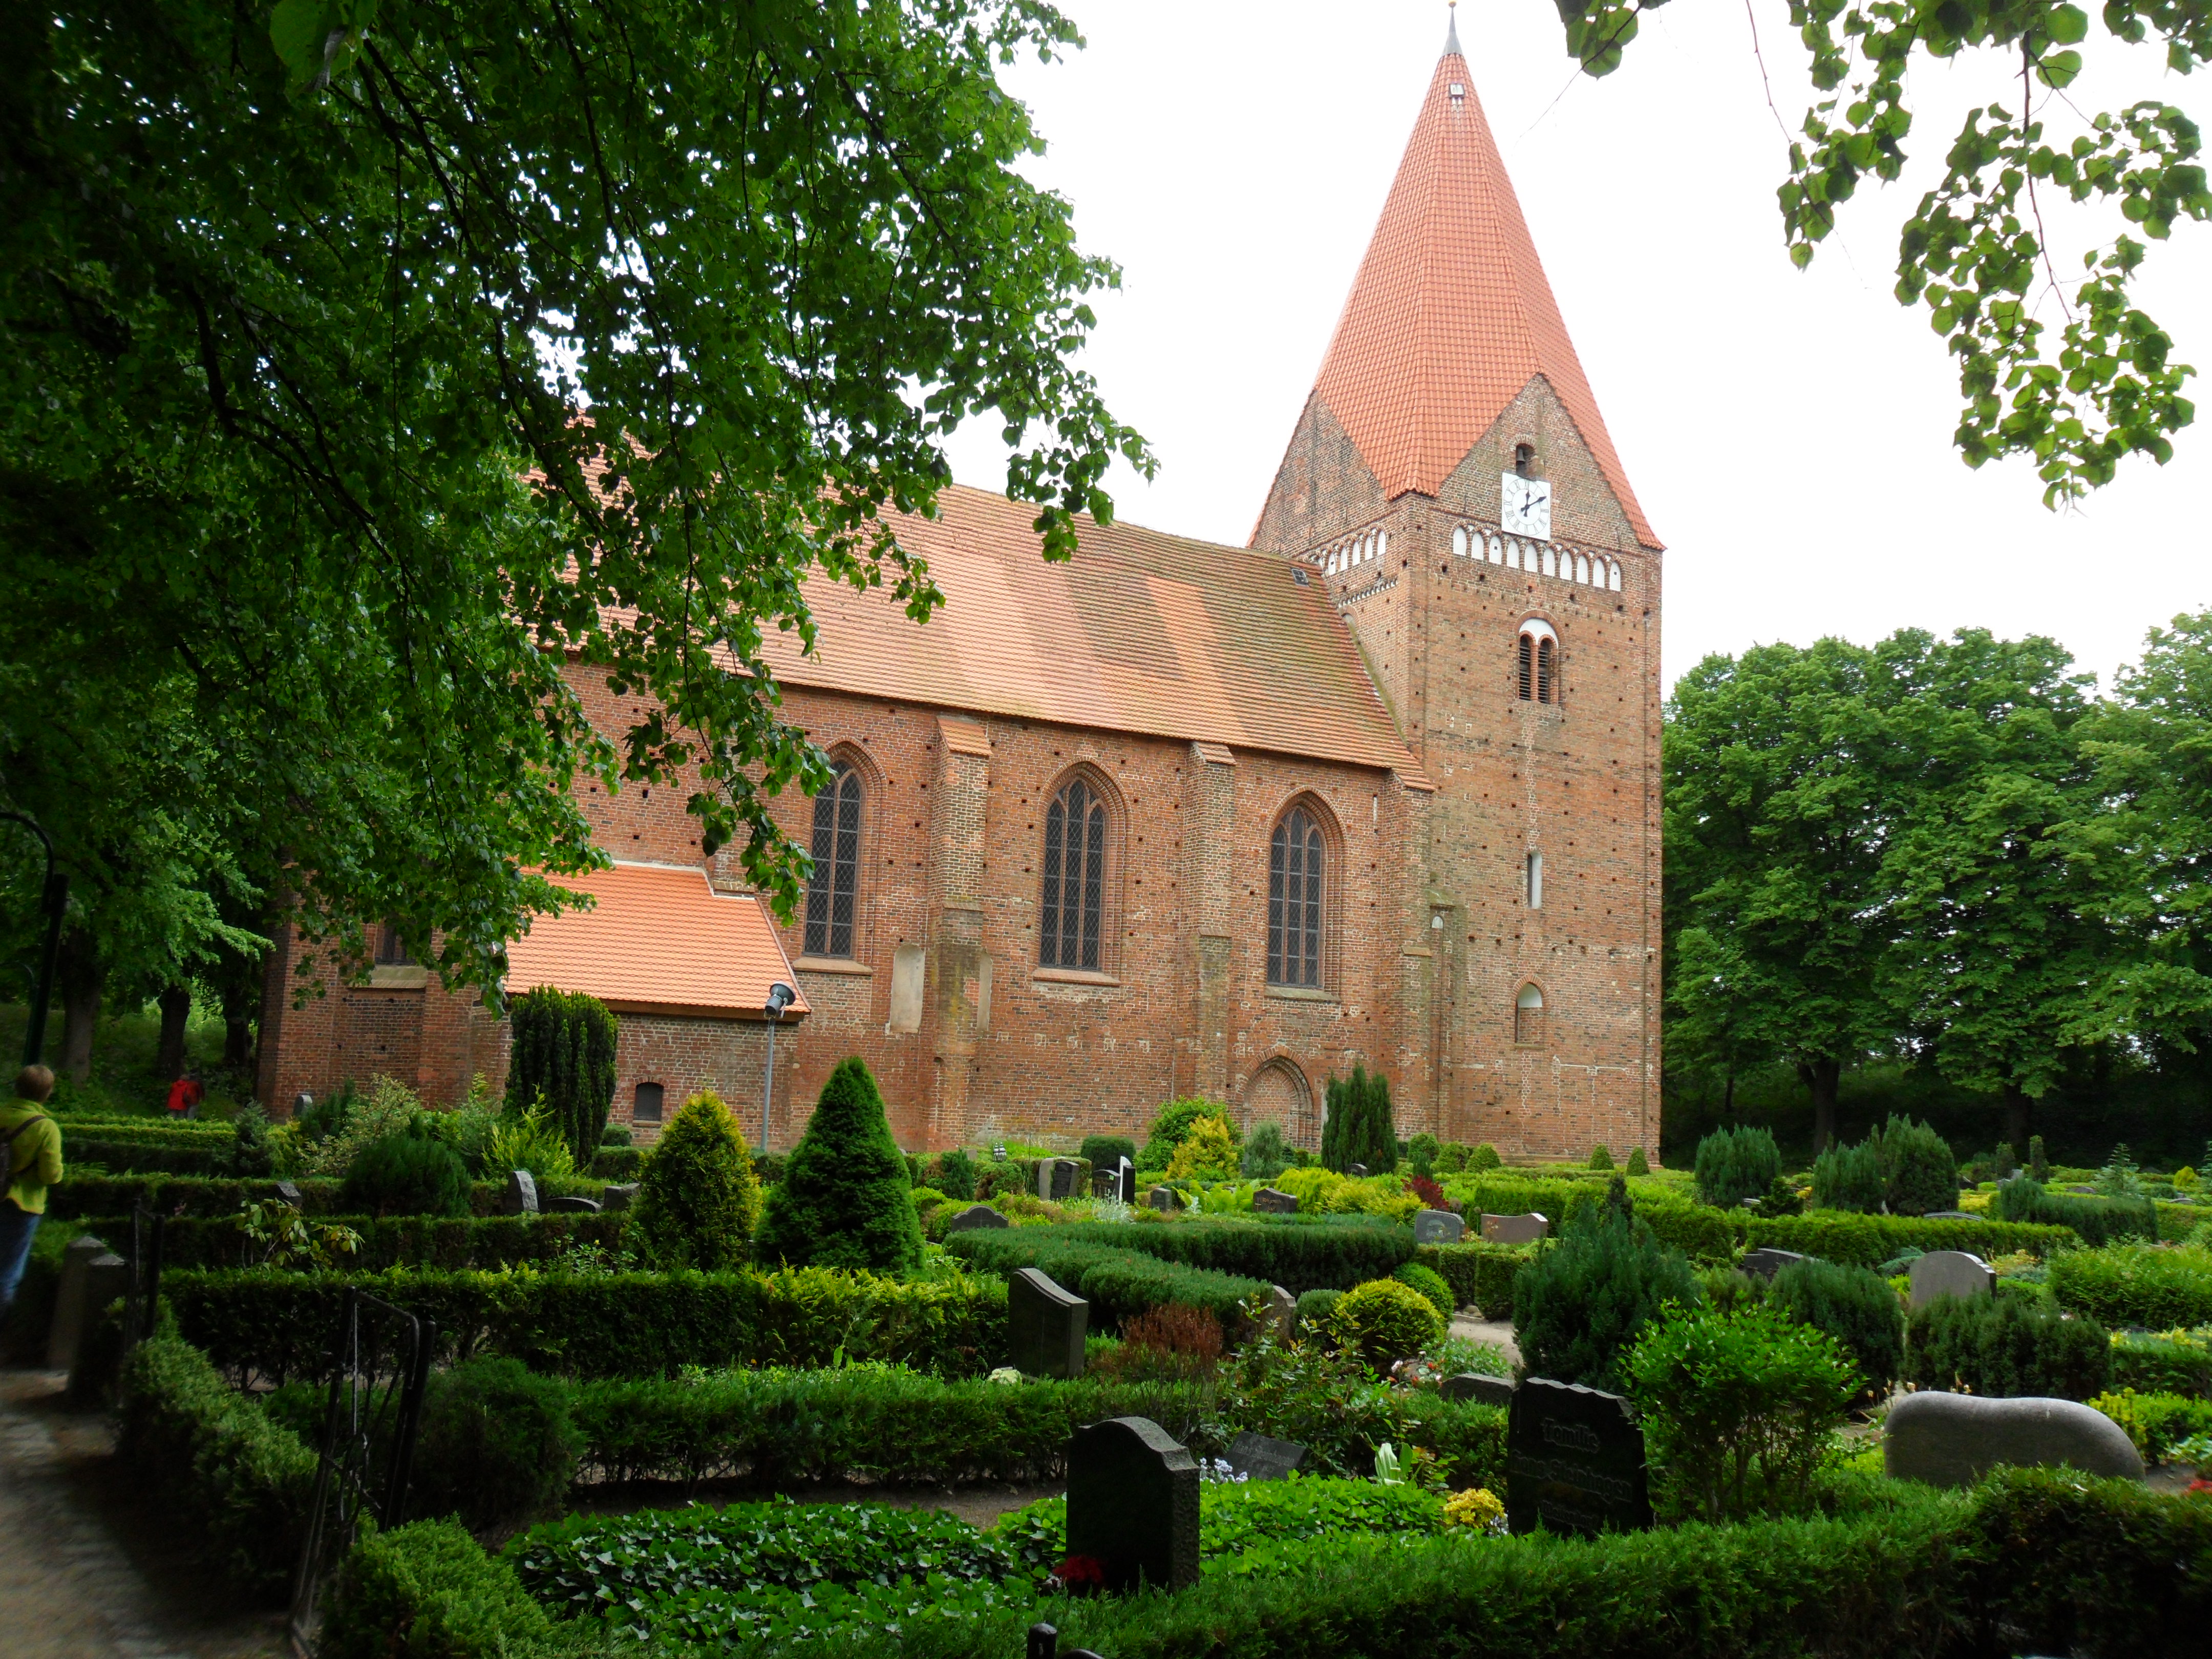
1450, 315
659, 941
1139, 632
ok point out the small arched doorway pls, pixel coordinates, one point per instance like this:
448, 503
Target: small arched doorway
1279, 1091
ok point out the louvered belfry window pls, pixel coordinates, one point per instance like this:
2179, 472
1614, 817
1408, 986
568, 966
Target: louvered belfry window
1295, 860
1528, 668
1074, 878
1547, 659
833, 890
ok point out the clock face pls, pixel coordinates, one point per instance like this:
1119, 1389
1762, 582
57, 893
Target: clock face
1527, 506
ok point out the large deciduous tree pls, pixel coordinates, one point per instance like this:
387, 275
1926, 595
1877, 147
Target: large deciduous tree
367, 367
2103, 384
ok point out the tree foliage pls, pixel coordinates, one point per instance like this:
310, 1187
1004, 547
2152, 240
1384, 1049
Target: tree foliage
379, 376
564, 1054
1975, 253
1358, 1127
845, 1199
698, 1201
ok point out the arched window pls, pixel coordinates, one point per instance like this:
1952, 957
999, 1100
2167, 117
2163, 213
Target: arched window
833, 890
1529, 1016
1296, 860
1074, 878
1537, 677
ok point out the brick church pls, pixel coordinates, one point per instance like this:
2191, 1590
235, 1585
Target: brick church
1175, 819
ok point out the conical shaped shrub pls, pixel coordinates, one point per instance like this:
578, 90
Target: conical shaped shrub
845, 1200
698, 1200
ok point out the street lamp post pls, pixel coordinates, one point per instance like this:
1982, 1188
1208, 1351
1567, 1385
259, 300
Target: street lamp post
780, 996
56, 905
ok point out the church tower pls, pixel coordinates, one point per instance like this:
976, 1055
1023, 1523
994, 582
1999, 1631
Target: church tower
1452, 484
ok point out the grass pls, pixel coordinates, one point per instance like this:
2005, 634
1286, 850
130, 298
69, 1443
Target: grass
123, 1077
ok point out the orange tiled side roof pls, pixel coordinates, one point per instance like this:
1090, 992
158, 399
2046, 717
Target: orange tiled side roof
659, 941
1139, 632
1451, 315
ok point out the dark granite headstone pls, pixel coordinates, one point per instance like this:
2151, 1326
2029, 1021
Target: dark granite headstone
1483, 1390
1764, 1263
1439, 1227
520, 1197
975, 1215
1268, 1201
1132, 1504
570, 1205
290, 1192
620, 1195
1056, 1177
1258, 1458
1045, 1326
1574, 1461
72, 1298
1165, 1198
1129, 1181
1105, 1183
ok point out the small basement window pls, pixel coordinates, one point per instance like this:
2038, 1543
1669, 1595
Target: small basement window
646, 1109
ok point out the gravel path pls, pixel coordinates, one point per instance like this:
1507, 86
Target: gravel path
83, 1574
1472, 1326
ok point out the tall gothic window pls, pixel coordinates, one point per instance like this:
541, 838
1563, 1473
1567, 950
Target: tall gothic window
834, 888
1538, 679
1074, 878
1296, 857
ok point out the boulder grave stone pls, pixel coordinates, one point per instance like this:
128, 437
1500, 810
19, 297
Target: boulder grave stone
1481, 1389
1574, 1461
1046, 1324
520, 1197
290, 1192
1951, 1273
976, 1215
1132, 1504
1515, 1229
1954, 1439
1268, 1201
1256, 1457
1439, 1227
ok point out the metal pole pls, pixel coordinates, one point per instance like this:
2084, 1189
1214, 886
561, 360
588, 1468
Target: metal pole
767, 1094
57, 904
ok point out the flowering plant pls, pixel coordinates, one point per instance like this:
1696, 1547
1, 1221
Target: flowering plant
1080, 1575
1477, 1507
1217, 1469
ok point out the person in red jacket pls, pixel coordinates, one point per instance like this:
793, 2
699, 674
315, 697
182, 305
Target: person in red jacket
184, 1095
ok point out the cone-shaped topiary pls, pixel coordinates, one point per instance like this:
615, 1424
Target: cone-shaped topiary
1638, 1164
845, 1200
564, 1054
698, 1200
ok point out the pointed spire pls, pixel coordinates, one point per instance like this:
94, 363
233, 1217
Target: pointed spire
1451, 315
1451, 32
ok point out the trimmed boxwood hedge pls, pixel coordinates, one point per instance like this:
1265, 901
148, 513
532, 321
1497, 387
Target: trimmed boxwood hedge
2096, 1219
1480, 1275
2156, 1286
1300, 1253
1867, 1241
1118, 1284
213, 1196
445, 1242
274, 1325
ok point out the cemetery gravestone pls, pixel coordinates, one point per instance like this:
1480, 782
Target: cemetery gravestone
1437, 1227
106, 1277
1954, 1439
1132, 1504
1056, 1177
620, 1196
1268, 1201
1165, 1198
1105, 1183
290, 1192
1766, 1263
1129, 1181
1258, 1458
567, 1205
1045, 1326
1514, 1229
1951, 1273
975, 1215
1358, 1172
1282, 1311
520, 1197
67, 1332
1574, 1461
1482, 1390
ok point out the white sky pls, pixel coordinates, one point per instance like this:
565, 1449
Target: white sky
1788, 433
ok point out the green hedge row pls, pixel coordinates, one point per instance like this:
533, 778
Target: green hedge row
2097, 1220
1867, 1241
2030, 1562
274, 1325
235, 1485
1480, 1275
409, 1241
148, 1156
214, 1195
185, 1133
2151, 1285
1300, 1253
1117, 1283
780, 1427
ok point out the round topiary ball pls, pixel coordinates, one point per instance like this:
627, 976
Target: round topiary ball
496, 1444
1385, 1321
1431, 1284
1314, 1309
406, 1174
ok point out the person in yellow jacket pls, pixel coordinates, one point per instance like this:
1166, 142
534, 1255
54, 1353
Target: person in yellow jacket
34, 1141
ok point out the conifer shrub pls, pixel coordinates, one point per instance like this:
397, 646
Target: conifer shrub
2006, 1348
698, 1201
1385, 1321
1358, 1128
1170, 1126
956, 1177
1484, 1157
1919, 1173
1452, 1157
1638, 1164
1208, 1152
1600, 1157
563, 1054
1266, 1154
497, 1445
405, 1174
1585, 1298
1107, 1151
1855, 1305
1431, 1284
1848, 1178
615, 1134
1314, 1309
1734, 1164
426, 1590
1421, 1152
2038, 1166
845, 1200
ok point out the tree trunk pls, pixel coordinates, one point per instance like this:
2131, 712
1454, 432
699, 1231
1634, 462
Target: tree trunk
1820, 1077
2018, 1126
237, 1042
77, 975
1727, 1099
169, 1053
